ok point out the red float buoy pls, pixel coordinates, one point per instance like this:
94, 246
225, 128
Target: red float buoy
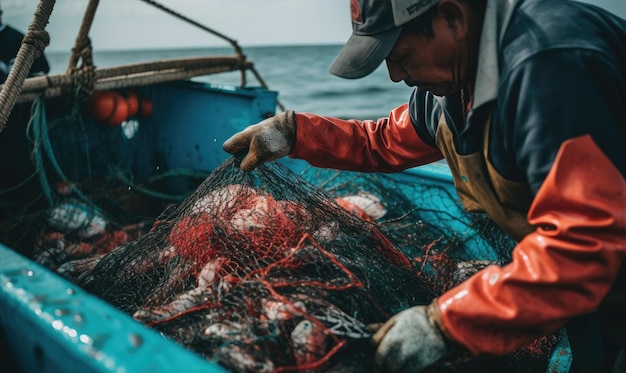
146, 107
133, 103
120, 112
108, 107
101, 105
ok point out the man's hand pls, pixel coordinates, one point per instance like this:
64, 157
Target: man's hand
410, 341
266, 141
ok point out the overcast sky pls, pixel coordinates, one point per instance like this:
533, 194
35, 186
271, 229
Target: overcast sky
134, 24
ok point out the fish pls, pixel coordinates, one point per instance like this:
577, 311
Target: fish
260, 212
233, 356
256, 218
76, 270
219, 201
365, 205
74, 216
219, 270
308, 345
275, 309
226, 330
182, 303
53, 252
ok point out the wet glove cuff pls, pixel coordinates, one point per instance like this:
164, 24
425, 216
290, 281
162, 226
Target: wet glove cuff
412, 340
436, 321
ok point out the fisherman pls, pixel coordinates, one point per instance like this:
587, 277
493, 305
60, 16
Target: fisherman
10, 42
526, 101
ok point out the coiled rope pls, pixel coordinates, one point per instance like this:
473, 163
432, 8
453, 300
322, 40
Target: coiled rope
83, 75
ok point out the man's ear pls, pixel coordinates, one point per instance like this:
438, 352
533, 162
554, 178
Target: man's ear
455, 14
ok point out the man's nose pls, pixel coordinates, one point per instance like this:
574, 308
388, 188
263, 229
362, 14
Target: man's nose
396, 72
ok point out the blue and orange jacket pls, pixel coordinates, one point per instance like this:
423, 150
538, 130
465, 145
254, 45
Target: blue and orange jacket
542, 149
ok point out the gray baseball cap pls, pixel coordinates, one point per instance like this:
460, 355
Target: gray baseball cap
376, 25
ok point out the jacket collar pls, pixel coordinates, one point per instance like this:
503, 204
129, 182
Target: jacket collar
497, 16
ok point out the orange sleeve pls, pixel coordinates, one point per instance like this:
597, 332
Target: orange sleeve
563, 269
386, 145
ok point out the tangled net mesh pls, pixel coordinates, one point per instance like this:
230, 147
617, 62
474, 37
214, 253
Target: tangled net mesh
257, 274
262, 271
266, 272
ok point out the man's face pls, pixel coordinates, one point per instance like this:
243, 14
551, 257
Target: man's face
430, 64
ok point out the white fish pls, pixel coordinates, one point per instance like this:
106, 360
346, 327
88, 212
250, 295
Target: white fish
279, 310
225, 330
253, 219
308, 344
182, 303
77, 217
217, 270
243, 361
79, 268
219, 200
369, 203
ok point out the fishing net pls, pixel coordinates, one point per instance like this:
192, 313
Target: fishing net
73, 187
265, 271
262, 271
425, 221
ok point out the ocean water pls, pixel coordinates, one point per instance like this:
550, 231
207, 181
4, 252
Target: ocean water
298, 73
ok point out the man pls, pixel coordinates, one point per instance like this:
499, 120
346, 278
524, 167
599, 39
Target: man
10, 42
526, 101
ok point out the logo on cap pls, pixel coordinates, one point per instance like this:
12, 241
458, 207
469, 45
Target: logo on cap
355, 11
